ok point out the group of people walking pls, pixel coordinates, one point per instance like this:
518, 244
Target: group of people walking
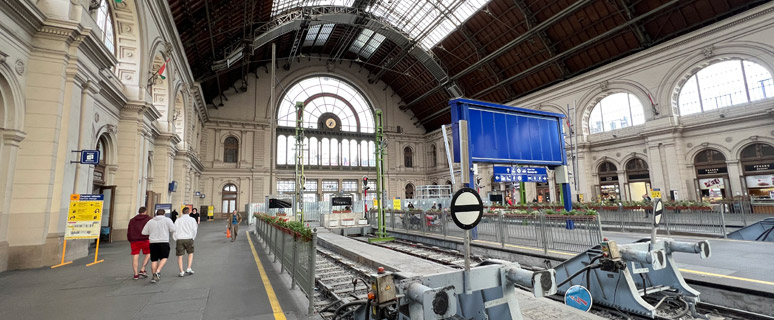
151, 237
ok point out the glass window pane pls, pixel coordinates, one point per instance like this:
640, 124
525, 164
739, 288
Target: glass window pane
306, 151
363, 153
616, 111
371, 154
353, 153
345, 155
722, 85
334, 152
759, 82
595, 120
688, 101
291, 150
326, 149
281, 150
313, 152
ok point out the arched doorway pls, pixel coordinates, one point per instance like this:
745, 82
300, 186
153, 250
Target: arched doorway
100, 186
758, 170
608, 189
637, 179
711, 175
229, 197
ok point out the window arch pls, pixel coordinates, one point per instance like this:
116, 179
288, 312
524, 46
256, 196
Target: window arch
709, 157
105, 22
230, 150
725, 84
616, 111
757, 152
409, 191
339, 124
229, 198
434, 156
408, 157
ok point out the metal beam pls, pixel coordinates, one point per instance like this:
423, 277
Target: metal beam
560, 56
510, 45
638, 29
544, 39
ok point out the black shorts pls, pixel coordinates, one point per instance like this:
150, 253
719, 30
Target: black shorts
159, 251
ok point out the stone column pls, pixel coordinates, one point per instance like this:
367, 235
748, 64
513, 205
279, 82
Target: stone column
9, 146
164, 149
735, 176
131, 166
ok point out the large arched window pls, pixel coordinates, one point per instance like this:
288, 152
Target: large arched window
229, 198
338, 122
616, 111
105, 22
409, 191
408, 157
230, 150
725, 84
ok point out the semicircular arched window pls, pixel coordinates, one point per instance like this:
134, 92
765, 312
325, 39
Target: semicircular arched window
616, 111
338, 124
725, 84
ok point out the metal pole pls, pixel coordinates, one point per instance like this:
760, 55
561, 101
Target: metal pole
295, 262
379, 174
502, 229
311, 275
543, 232
448, 154
300, 179
282, 254
467, 252
723, 220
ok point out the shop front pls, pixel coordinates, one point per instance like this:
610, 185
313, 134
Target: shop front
711, 176
638, 179
758, 168
608, 189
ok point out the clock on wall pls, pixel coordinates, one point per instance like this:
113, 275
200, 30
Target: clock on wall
329, 121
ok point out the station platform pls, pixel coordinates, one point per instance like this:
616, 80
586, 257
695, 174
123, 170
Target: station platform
734, 263
227, 285
531, 308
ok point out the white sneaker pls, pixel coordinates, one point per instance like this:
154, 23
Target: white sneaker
182, 274
189, 271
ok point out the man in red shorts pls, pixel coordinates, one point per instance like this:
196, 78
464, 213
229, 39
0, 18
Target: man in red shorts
139, 242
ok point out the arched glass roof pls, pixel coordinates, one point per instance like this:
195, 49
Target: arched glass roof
326, 95
424, 20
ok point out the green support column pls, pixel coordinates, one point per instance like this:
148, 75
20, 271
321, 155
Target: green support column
522, 193
300, 178
381, 232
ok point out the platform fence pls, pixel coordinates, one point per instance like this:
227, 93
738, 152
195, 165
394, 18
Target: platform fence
295, 254
539, 231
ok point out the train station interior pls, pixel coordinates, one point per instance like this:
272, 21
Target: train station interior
388, 159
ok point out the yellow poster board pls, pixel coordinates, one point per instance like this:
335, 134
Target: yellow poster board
580, 197
84, 216
376, 203
210, 211
655, 194
396, 203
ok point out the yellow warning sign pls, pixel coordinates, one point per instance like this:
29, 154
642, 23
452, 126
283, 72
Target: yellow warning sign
84, 216
655, 194
396, 203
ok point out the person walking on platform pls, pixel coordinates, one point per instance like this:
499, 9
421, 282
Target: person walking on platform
184, 235
173, 215
234, 219
139, 242
158, 230
195, 216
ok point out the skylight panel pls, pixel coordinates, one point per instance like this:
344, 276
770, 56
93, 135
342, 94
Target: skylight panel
281, 6
426, 20
318, 34
366, 43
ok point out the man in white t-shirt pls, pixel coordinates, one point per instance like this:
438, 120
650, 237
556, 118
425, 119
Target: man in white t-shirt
184, 238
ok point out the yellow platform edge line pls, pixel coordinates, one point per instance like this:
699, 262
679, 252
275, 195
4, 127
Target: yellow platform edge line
275, 305
725, 276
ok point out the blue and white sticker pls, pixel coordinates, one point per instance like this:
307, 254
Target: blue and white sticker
579, 298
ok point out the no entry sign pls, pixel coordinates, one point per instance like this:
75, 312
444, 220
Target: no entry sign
466, 208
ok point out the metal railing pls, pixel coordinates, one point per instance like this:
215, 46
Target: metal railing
548, 232
717, 220
295, 254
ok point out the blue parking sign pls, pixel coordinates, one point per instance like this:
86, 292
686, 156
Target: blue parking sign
578, 297
89, 156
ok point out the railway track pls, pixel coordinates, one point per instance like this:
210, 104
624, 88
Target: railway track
456, 259
338, 281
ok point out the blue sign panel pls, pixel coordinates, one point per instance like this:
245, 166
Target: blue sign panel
520, 174
89, 156
578, 297
503, 134
92, 197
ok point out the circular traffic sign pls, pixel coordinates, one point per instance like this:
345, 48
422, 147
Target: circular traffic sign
466, 208
579, 298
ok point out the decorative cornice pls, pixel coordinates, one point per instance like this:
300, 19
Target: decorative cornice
24, 13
